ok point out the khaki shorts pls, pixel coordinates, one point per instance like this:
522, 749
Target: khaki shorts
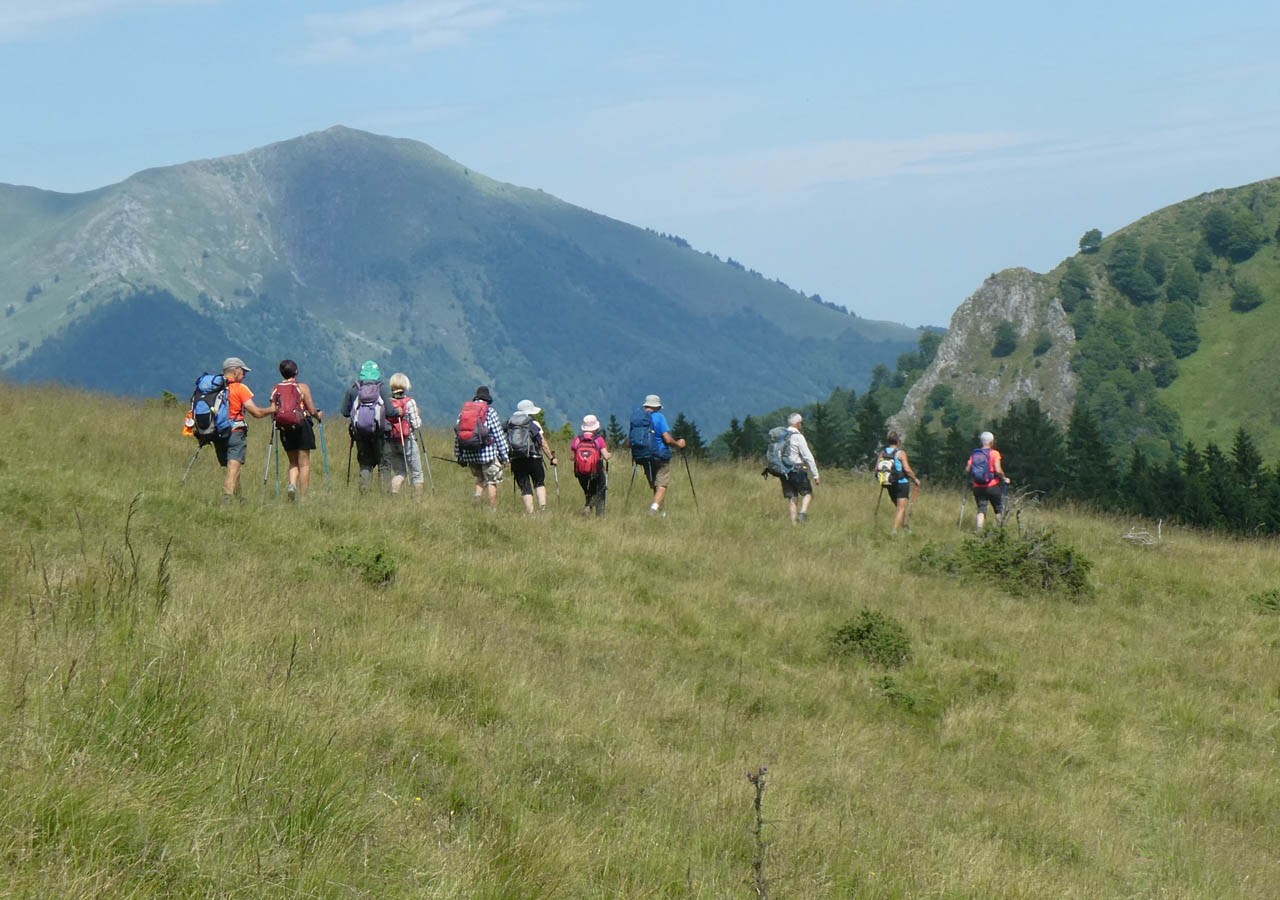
487, 473
658, 471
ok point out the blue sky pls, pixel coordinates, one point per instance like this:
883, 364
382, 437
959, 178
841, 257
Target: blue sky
888, 156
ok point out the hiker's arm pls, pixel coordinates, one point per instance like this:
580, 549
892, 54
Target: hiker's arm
546, 448
906, 467
308, 403
259, 412
674, 442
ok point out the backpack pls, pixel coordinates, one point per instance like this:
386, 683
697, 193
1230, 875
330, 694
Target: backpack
520, 436
586, 456
291, 412
368, 415
774, 457
473, 426
641, 437
980, 467
211, 408
402, 427
888, 468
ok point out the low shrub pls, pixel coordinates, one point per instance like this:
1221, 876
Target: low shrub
1267, 602
1029, 561
374, 566
876, 637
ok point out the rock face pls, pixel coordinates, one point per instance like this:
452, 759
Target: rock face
965, 362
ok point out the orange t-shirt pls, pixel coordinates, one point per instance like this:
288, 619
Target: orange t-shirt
238, 393
996, 466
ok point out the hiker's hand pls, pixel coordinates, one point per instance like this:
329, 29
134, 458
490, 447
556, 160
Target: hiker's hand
681, 443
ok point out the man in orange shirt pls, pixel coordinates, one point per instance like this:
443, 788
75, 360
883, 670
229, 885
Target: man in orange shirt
233, 448
986, 470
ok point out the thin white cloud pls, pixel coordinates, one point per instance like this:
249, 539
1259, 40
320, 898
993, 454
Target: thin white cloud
21, 19
410, 26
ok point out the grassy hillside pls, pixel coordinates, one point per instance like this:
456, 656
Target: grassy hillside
207, 701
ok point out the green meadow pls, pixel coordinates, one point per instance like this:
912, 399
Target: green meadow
376, 697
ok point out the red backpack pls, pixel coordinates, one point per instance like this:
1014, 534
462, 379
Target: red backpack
401, 428
473, 426
291, 412
586, 456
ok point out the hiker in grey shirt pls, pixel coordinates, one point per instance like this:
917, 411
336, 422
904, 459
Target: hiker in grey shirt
797, 484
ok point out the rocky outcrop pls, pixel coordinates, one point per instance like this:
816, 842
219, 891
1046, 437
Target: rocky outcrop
965, 363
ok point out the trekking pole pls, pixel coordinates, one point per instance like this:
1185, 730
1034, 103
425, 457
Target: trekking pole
350, 447
426, 461
190, 463
324, 454
266, 469
275, 442
555, 470
688, 471
404, 452
627, 500
876, 514
964, 498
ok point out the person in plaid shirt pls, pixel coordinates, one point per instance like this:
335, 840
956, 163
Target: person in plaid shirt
487, 461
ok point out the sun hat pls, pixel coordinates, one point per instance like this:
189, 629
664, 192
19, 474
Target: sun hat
654, 401
370, 371
482, 393
234, 362
590, 423
527, 407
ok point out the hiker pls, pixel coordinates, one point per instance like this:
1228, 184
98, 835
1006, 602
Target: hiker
480, 443
527, 443
651, 442
406, 461
590, 458
295, 408
367, 404
796, 485
986, 470
233, 448
901, 478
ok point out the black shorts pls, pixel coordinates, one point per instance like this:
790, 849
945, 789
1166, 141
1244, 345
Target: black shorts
529, 473
298, 437
993, 493
899, 490
796, 484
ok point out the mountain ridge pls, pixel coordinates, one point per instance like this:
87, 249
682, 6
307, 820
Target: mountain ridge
360, 245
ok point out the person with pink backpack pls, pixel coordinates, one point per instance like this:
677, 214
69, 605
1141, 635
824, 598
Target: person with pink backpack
590, 465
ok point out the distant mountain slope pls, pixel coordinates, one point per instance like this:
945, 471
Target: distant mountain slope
1164, 331
340, 246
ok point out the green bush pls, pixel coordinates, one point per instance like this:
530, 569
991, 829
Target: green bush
876, 637
374, 566
1020, 563
1266, 602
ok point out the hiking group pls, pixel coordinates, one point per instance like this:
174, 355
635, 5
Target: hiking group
385, 428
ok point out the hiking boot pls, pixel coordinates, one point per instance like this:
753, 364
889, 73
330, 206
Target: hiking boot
293, 491
802, 518
226, 499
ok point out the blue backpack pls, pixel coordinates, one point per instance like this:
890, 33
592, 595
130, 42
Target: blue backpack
641, 437
211, 408
980, 466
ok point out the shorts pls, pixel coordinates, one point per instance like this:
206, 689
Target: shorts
299, 437
234, 447
406, 459
796, 484
529, 472
899, 490
487, 473
658, 472
993, 493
